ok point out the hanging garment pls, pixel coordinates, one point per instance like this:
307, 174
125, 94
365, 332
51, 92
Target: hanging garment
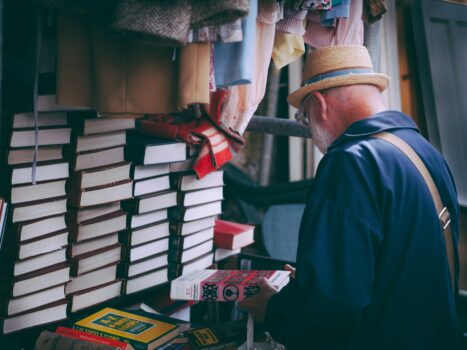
293, 23
287, 48
373, 10
121, 76
226, 33
312, 5
243, 100
348, 31
194, 73
232, 61
328, 18
162, 23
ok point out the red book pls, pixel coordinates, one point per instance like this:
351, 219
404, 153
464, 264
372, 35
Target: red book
72, 333
232, 235
224, 285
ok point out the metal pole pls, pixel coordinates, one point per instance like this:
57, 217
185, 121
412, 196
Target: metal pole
268, 139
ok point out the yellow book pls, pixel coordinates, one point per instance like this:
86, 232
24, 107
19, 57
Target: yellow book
144, 331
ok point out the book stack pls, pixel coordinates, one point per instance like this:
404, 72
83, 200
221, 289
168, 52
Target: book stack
100, 180
33, 252
147, 238
199, 201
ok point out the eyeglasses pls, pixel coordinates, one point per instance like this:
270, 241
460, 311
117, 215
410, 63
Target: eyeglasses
301, 115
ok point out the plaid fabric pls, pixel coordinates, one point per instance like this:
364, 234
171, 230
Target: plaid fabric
158, 22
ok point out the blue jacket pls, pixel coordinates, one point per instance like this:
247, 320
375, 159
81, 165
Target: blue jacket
372, 271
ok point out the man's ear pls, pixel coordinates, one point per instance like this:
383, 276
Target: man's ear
320, 107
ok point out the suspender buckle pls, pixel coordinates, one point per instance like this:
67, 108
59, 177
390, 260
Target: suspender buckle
444, 218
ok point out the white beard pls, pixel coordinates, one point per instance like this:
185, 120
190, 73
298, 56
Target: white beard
321, 137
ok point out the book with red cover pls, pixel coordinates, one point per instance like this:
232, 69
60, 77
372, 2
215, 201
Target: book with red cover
232, 235
73, 333
224, 285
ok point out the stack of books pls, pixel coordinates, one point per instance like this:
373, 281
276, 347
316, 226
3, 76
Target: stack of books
199, 201
100, 180
147, 238
33, 257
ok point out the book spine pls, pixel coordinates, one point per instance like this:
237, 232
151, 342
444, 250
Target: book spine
137, 345
222, 240
72, 333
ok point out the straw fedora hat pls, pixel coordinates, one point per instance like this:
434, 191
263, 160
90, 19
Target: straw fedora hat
333, 66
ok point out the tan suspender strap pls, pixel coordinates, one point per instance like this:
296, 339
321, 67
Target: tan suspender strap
443, 213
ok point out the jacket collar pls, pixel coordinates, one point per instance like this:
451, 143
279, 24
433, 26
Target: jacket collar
383, 121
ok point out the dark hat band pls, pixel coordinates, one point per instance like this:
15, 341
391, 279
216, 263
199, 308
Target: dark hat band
338, 73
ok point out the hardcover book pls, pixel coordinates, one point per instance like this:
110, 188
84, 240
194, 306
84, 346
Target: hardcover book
146, 234
182, 256
44, 172
48, 277
189, 182
147, 186
195, 212
180, 243
98, 227
101, 176
81, 215
73, 333
26, 155
101, 194
95, 260
47, 137
224, 285
100, 125
222, 254
99, 141
96, 295
146, 280
91, 245
92, 279
199, 263
145, 150
39, 209
232, 235
229, 335
37, 228
207, 195
27, 120
52, 313
151, 202
143, 331
139, 172
181, 228
95, 159
39, 191
13, 267
150, 263
13, 306
148, 249
139, 220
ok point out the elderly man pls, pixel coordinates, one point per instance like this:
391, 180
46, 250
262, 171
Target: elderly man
373, 262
